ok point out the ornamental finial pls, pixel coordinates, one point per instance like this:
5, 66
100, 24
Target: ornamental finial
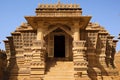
58, 1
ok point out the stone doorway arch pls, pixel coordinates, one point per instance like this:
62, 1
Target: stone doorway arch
63, 27
54, 33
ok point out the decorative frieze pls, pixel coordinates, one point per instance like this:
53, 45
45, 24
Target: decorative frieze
80, 64
38, 64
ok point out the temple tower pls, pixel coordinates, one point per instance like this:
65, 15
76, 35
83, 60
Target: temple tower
59, 43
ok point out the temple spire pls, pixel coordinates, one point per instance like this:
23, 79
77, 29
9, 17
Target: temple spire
58, 1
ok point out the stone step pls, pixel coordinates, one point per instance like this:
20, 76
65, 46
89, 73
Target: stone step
60, 62
64, 63
61, 73
60, 70
59, 76
60, 79
53, 78
63, 67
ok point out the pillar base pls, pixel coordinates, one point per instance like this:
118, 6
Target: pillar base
80, 63
38, 60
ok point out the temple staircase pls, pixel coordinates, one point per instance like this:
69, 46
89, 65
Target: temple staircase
59, 70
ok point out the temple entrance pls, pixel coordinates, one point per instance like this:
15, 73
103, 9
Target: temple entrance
59, 46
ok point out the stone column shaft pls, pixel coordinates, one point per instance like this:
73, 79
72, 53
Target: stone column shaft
39, 34
80, 64
38, 59
76, 34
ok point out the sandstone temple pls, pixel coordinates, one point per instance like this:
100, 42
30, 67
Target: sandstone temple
59, 43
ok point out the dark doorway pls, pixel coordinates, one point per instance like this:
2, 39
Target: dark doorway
59, 46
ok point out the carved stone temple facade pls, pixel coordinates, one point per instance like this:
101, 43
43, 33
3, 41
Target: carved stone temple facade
59, 43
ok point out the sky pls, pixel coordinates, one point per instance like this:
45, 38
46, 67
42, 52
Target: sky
104, 12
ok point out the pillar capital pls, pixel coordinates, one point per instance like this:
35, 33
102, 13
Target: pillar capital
76, 24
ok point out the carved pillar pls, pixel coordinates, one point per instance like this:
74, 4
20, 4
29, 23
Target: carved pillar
76, 34
39, 34
109, 50
80, 63
38, 59
113, 53
101, 51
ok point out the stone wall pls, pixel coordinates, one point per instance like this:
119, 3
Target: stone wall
3, 64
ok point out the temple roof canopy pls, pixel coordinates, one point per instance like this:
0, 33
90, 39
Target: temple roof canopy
58, 10
81, 20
